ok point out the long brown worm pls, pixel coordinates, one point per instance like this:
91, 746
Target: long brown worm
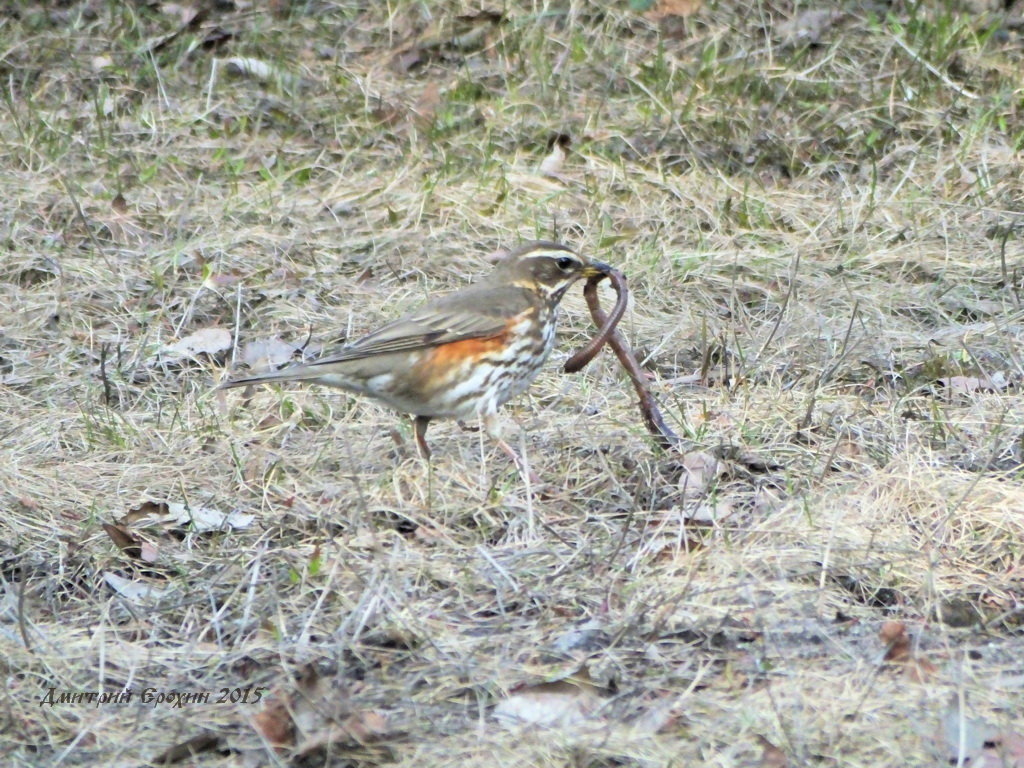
607, 327
659, 430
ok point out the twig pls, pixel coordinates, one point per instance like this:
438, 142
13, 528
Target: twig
103, 373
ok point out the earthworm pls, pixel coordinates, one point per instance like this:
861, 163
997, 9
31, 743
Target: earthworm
607, 326
659, 430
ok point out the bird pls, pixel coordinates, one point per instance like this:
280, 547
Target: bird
461, 355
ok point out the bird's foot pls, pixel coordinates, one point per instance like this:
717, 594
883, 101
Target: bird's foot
529, 476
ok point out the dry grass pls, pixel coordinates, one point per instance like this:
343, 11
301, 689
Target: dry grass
825, 233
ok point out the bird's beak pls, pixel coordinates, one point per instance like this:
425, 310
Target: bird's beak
596, 269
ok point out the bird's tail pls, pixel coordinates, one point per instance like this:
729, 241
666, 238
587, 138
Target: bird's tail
291, 373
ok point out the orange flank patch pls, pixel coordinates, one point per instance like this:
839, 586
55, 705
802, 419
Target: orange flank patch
446, 357
440, 363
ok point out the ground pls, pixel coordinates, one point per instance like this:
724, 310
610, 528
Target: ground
819, 213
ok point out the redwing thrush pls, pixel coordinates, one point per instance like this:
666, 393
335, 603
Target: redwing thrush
462, 355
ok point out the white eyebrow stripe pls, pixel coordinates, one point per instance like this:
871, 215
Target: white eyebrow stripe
553, 254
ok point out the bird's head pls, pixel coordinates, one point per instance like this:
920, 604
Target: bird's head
547, 268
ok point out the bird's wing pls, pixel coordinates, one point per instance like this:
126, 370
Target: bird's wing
439, 322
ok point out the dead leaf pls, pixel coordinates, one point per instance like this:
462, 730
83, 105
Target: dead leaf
700, 469
135, 591
558, 148
119, 223
205, 341
894, 634
664, 9
315, 714
177, 515
917, 669
590, 636
571, 701
215, 280
268, 353
958, 612
708, 513
183, 14
124, 540
148, 552
275, 723
133, 546
388, 114
215, 37
361, 728
473, 30
968, 385
920, 670
806, 28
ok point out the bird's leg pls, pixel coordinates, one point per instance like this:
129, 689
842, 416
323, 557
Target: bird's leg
493, 429
420, 424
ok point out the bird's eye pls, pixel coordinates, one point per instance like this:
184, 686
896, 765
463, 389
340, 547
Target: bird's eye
565, 263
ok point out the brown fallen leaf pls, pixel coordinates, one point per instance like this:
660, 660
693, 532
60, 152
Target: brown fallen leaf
661, 717
274, 723
917, 669
124, 540
894, 634
314, 714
